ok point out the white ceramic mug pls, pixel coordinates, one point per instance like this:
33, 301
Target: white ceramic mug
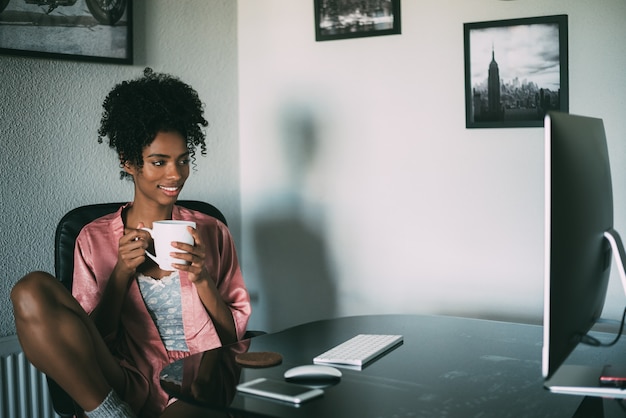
163, 234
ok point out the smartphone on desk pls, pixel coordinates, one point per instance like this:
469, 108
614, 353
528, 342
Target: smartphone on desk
614, 376
282, 391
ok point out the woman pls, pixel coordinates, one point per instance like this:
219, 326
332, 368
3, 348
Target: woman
106, 343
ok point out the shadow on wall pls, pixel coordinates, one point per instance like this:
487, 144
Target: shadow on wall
292, 258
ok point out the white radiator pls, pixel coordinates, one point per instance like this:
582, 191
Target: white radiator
24, 390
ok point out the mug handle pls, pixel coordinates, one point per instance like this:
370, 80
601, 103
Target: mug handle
152, 256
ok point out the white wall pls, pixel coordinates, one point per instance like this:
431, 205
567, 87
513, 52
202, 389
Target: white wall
362, 190
49, 114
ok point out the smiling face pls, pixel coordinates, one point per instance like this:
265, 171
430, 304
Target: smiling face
164, 172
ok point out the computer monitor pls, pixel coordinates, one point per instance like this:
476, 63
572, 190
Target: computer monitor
580, 244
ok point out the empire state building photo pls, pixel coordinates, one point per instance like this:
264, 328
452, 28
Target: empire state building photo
514, 73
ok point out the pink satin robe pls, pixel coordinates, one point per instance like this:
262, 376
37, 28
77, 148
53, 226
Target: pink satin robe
138, 345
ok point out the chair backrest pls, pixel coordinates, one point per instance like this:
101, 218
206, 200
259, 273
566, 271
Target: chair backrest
70, 225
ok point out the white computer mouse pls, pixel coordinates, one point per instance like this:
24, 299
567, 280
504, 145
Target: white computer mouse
313, 372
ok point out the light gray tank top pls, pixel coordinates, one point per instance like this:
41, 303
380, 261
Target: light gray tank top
163, 300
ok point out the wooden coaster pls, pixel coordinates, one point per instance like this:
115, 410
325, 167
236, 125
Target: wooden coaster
259, 359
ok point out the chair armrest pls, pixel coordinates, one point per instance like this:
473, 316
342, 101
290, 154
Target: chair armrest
252, 334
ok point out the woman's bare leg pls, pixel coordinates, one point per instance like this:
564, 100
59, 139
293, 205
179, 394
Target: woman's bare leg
59, 339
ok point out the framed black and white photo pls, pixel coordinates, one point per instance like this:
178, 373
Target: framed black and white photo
515, 71
81, 30
343, 19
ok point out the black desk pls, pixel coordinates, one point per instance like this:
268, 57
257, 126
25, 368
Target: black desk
446, 367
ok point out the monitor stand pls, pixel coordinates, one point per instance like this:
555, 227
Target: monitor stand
585, 380
618, 253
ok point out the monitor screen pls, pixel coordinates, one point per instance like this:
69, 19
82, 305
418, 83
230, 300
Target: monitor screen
579, 210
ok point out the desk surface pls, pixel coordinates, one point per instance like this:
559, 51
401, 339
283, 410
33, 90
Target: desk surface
447, 366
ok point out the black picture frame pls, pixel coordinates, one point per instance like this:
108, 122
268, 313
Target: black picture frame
529, 59
78, 30
343, 19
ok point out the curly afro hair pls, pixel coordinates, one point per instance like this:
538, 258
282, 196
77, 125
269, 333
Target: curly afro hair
136, 111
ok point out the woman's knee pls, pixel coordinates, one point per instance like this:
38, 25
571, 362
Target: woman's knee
32, 291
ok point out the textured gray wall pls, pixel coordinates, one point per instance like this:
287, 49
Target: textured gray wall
49, 113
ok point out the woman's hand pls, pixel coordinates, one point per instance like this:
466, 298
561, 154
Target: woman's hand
195, 255
131, 252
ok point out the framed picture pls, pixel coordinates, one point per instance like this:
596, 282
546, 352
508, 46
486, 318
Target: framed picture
342, 19
515, 71
81, 30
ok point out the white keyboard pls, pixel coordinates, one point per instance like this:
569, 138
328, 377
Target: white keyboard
358, 350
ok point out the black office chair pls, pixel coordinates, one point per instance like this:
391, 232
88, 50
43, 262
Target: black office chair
66, 233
